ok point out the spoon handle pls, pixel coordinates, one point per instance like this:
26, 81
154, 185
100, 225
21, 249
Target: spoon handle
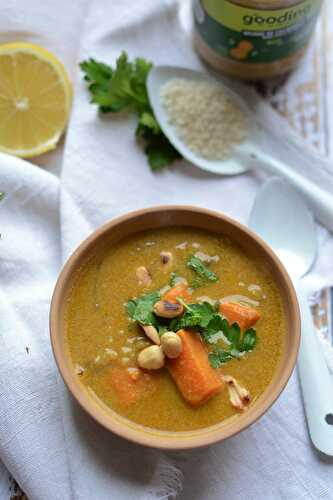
319, 200
316, 383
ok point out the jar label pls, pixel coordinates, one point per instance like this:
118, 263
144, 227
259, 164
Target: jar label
255, 35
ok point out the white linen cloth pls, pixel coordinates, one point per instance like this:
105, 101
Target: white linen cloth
52, 447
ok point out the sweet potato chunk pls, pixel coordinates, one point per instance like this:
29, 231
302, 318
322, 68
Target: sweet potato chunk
130, 389
195, 378
245, 316
180, 290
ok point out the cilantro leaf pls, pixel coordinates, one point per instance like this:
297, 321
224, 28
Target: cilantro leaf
141, 309
249, 340
162, 329
213, 328
237, 346
173, 278
197, 282
176, 279
2, 195
233, 334
219, 357
216, 325
125, 87
199, 267
195, 316
219, 329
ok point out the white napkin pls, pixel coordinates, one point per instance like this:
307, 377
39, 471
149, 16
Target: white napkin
52, 447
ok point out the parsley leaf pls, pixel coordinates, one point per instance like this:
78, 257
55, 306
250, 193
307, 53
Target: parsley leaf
199, 267
125, 87
160, 152
96, 72
141, 309
149, 121
98, 76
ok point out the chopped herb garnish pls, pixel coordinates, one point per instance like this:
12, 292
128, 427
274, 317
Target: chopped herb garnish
233, 334
173, 279
213, 328
125, 87
249, 340
237, 344
202, 317
141, 309
197, 282
216, 325
202, 271
162, 329
219, 357
195, 316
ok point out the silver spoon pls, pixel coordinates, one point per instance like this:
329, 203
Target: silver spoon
281, 218
247, 155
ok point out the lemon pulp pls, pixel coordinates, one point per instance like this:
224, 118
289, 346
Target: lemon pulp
35, 99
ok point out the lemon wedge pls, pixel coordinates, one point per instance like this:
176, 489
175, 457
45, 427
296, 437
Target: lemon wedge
35, 99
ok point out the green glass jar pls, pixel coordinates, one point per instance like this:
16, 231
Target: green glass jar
254, 39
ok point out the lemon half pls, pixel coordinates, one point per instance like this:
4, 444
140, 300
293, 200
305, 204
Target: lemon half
35, 99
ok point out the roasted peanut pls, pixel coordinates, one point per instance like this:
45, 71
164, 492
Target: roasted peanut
166, 309
143, 276
238, 395
151, 333
171, 344
151, 358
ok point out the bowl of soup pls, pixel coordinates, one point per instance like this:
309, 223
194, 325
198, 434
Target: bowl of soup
174, 327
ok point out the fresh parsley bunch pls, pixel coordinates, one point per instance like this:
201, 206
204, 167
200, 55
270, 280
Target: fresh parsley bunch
125, 87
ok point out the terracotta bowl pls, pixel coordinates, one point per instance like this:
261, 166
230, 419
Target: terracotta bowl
153, 218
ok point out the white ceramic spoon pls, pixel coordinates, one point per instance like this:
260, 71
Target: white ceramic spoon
246, 156
281, 218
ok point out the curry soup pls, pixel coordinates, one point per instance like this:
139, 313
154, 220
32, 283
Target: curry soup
221, 358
